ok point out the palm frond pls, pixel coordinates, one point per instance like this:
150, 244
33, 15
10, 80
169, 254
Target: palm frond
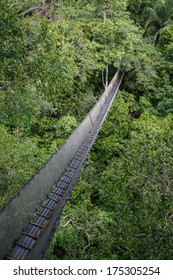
160, 15
153, 23
150, 12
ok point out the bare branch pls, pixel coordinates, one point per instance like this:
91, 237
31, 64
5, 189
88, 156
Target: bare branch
103, 79
75, 225
30, 10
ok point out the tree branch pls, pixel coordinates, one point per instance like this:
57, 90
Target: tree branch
30, 10
103, 79
74, 224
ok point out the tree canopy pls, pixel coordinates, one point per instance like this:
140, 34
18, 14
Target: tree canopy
56, 58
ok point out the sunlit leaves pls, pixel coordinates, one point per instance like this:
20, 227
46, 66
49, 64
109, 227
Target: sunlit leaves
19, 158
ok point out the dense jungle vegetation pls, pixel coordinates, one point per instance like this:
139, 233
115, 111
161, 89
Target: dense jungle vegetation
56, 57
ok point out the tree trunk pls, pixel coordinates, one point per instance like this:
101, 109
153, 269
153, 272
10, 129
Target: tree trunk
156, 38
17, 131
105, 76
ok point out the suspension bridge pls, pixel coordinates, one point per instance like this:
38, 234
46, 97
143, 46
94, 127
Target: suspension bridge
28, 221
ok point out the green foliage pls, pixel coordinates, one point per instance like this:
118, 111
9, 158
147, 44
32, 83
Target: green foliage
158, 16
166, 42
44, 81
51, 65
23, 105
65, 125
19, 159
137, 10
91, 235
127, 181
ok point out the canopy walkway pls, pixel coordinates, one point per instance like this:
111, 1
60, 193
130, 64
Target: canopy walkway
33, 232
